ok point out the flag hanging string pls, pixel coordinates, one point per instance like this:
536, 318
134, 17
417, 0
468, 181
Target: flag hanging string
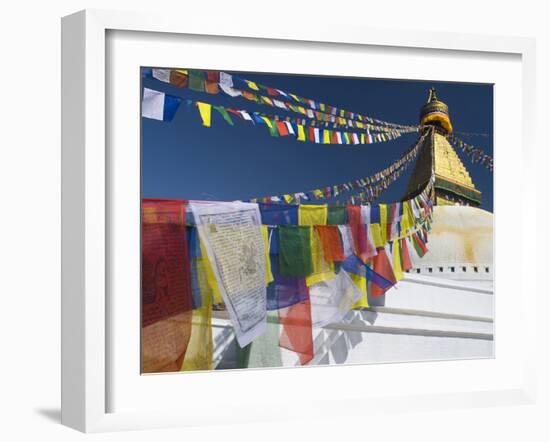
475, 154
213, 81
278, 126
369, 187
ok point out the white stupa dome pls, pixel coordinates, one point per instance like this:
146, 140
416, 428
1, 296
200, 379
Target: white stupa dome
460, 244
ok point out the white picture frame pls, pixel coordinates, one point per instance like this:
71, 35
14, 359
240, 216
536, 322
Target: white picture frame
87, 208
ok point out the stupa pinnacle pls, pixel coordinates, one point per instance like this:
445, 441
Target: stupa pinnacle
453, 184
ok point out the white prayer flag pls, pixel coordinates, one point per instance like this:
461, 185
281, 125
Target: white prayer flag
152, 105
162, 75
232, 236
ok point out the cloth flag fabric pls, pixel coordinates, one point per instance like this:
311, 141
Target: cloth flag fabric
331, 243
332, 300
205, 111
200, 349
383, 267
285, 291
322, 269
232, 236
296, 330
166, 289
158, 105
312, 215
295, 251
337, 215
278, 214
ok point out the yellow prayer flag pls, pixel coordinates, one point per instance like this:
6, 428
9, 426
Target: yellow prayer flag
383, 223
397, 269
252, 85
361, 283
268, 273
205, 110
267, 121
376, 237
322, 269
312, 214
326, 136
301, 133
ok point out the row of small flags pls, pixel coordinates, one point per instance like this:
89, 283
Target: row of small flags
213, 82
161, 106
370, 187
475, 154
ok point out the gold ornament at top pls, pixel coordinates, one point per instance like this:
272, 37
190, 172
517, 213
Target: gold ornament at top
436, 113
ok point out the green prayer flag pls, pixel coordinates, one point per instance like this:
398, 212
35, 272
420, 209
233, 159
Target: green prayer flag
196, 80
336, 215
224, 114
295, 251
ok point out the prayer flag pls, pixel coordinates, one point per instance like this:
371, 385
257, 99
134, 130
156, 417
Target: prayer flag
336, 215
166, 290
331, 243
179, 77
332, 300
382, 266
205, 111
405, 255
232, 235
211, 83
281, 127
296, 334
158, 105
295, 251
301, 133
312, 214
277, 214
252, 85
162, 75
224, 114
196, 80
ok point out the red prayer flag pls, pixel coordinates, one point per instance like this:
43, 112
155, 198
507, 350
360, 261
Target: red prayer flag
281, 127
296, 334
211, 83
358, 232
406, 263
331, 243
166, 296
382, 266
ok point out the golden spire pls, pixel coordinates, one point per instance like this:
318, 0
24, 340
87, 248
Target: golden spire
436, 113
453, 184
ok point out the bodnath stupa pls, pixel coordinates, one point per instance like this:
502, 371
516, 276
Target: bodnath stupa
443, 308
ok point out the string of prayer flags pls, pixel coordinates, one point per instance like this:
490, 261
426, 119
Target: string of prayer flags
475, 154
212, 81
370, 186
157, 105
166, 290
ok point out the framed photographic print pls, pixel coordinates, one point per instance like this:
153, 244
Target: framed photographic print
275, 218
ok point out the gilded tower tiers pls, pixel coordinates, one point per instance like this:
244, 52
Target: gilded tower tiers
453, 184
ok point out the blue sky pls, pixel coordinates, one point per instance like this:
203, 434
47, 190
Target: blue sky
182, 159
